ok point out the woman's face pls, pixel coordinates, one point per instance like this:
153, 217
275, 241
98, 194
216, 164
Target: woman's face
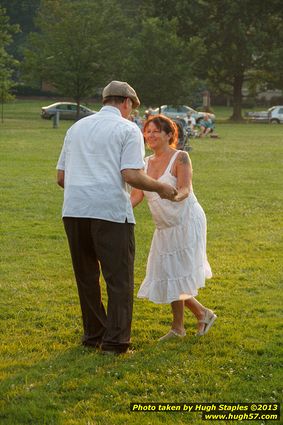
155, 138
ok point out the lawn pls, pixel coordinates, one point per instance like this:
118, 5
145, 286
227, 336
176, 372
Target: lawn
48, 378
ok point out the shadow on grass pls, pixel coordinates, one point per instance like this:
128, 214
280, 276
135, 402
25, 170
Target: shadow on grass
83, 381
80, 386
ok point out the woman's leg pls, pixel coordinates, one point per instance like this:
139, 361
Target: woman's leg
177, 328
198, 311
205, 316
178, 316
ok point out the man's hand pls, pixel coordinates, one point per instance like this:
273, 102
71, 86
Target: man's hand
140, 180
167, 192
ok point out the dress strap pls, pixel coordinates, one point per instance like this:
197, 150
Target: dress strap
146, 160
168, 169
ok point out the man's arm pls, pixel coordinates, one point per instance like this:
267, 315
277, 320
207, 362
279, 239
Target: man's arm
140, 180
60, 177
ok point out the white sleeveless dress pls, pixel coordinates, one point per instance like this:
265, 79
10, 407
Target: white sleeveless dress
177, 264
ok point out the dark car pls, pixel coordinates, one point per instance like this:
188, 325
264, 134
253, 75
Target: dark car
67, 111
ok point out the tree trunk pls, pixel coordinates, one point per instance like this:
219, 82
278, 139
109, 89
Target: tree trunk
237, 98
78, 109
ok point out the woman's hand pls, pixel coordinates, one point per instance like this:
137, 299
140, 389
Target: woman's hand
136, 197
181, 195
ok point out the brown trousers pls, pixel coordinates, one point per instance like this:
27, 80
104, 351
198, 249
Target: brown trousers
98, 243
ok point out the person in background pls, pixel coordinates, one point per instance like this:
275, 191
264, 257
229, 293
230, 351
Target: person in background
206, 126
148, 113
101, 153
177, 264
137, 119
192, 125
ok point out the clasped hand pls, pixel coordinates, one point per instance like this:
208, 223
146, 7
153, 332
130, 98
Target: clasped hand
172, 194
168, 192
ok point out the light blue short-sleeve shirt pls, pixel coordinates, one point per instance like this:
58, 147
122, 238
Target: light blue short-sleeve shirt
96, 149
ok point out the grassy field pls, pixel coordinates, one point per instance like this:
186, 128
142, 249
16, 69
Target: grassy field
48, 378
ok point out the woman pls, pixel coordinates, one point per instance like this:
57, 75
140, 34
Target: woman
177, 266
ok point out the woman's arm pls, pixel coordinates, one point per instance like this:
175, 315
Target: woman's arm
183, 171
136, 197
60, 177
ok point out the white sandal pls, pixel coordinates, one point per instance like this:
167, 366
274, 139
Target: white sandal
172, 334
208, 321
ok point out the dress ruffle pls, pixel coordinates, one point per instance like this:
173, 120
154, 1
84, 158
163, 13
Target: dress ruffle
185, 268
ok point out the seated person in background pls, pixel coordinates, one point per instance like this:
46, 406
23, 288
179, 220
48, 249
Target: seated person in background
137, 119
206, 126
192, 125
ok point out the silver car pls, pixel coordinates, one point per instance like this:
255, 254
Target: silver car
181, 111
67, 111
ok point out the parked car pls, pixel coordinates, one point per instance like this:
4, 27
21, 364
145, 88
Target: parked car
67, 111
273, 115
181, 111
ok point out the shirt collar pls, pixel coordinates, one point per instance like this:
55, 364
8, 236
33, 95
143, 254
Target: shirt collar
111, 109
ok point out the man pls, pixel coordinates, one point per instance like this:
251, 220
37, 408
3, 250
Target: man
206, 126
101, 153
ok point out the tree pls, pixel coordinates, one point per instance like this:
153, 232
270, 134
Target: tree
271, 74
238, 36
160, 63
7, 62
242, 41
21, 13
77, 47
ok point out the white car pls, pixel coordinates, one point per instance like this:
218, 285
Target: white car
273, 115
181, 111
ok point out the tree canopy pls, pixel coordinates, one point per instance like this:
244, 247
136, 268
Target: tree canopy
7, 62
76, 48
166, 49
161, 63
238, 37
21, 13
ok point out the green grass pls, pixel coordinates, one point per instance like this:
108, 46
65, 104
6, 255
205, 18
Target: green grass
49, 378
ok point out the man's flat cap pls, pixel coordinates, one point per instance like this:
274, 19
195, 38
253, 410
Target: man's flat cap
123, 89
